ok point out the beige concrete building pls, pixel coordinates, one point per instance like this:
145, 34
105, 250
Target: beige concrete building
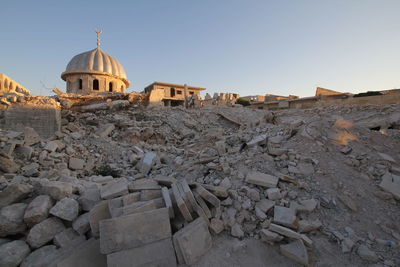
95, 71
8, 85
170, 94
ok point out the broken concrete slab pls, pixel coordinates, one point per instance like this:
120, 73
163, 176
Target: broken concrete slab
192, 241
44, 232
14, 193
262, 179
38, 210
134, 230
159, 253
295, 251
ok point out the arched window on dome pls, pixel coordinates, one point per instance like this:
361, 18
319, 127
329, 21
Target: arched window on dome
80, 84
122, 88
96, 84
5, 84
11, 86
110, 86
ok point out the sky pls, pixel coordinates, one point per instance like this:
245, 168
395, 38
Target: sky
250, 47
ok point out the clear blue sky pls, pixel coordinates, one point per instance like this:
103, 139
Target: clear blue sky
249, 47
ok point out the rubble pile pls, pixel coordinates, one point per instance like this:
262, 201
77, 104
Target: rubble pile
161, 187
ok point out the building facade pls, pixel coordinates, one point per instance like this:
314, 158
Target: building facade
8, 85
170, 94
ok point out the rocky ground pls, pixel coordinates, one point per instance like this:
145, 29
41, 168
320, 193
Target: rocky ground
318, 187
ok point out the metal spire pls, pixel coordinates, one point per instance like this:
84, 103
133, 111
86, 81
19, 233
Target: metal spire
98, 32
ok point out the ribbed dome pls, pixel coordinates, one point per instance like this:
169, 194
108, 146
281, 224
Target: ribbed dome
95, 61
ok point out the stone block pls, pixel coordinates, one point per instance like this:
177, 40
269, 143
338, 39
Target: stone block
207, 196
139, 207
14, 193
24, 152
12, 219
202, 204
150, 194
265, 205
285, 216
105, 130
68, 238
115, 188
44, 232
82, 224
181, 203
262, 179
159, 253
13, 253
57, 190
143, 184
216, 226
38, 210
295, 251
273, 193
236, 231
98, 213
308, 226
89, 198
134, 230
87, 254
192, 241
66, 209
270, 237
76, 164
51, 146
391, 183
147, 162
218, 191
168, 201
165, 180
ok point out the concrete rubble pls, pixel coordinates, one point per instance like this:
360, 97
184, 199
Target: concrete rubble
121, 185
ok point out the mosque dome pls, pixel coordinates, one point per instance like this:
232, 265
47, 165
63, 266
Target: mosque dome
97, 62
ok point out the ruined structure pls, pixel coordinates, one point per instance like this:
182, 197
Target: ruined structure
95, 71
8, 85
171, 94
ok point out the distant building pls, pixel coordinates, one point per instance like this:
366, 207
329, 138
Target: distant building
254, 98
94, 72
170, 94
8, 85
326, 92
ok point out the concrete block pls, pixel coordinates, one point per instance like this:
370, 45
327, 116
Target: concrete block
98, 213
44, 231
159, 253
66, 209
147, 162
295, 251
87, 254
38, 210
262, 179
134, 230
192, 241
115, 188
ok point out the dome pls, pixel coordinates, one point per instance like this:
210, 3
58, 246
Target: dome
96, 61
